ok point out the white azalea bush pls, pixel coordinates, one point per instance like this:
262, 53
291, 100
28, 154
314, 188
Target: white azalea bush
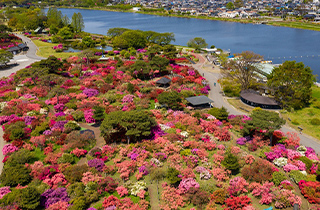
280, 162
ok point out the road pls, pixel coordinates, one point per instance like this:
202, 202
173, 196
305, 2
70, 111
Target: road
213, 74
24, 59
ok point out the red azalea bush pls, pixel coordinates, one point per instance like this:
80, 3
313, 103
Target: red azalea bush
310, 190
237, 203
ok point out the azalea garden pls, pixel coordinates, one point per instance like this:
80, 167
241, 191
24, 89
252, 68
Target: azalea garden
145, 147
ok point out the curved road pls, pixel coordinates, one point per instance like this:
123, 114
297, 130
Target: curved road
23, 60
213, 75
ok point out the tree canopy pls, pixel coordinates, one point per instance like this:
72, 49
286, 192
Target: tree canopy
5, 57
77, 22
197, 43
171, 99
133, 124
292, 84
242, 70
262, 121
130, 38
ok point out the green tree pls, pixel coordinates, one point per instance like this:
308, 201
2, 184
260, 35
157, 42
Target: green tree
262, 120
242, 71
54, 17
170, 51
98, 113
230, 6
172, 176
159, 63
4, 28
135, 39
65, 33
219, 113
113, 32
231, 162
171, 99
153, 50
133, 124
77, 22
141, 68
197, 43
29, 198
292, 84
5, 57
14, 175
88, 42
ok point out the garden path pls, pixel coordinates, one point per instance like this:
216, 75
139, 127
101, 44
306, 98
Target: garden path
2, 143
212, 74
96, 129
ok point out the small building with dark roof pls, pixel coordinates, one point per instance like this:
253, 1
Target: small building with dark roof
253, 98
23, 47
199, 101
163, 82
14, 50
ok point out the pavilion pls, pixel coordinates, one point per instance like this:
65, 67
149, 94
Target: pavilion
199, 101
253, 98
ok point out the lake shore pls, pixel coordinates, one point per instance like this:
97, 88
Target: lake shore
267, 21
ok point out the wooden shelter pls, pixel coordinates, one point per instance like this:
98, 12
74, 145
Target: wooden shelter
200, 101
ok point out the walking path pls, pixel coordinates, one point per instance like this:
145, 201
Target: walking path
23, 60
213, 75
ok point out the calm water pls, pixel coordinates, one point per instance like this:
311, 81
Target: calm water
274, 43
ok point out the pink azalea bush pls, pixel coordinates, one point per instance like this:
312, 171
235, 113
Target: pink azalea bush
8, 149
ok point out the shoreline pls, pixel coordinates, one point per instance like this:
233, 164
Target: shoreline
280, 23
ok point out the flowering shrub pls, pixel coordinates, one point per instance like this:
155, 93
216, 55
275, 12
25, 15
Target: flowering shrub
79, 152
128, 98
97, 164
51, 196
122, 191
90, 92
285, 198
237, 203
280, 162
310, 190
264, 192
8, 149
188, 183
4, 191
289, 167
237, 186
88, 116
170, 198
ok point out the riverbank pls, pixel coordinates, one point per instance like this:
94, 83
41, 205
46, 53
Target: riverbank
268, 21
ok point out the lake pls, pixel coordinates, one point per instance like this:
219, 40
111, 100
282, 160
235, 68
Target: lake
274, 43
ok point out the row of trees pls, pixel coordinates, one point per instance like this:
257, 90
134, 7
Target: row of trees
124, 38
32, 18
291, 81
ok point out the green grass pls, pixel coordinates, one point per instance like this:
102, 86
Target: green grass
45, 49
301, 25
302, 117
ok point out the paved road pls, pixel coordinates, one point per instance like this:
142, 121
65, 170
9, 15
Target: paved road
212, 75
23, 60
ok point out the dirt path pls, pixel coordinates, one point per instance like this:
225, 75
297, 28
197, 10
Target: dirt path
96, 130
2, 143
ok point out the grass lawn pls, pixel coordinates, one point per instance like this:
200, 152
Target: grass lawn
303, 117
301, 25
45, 49
236, 103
